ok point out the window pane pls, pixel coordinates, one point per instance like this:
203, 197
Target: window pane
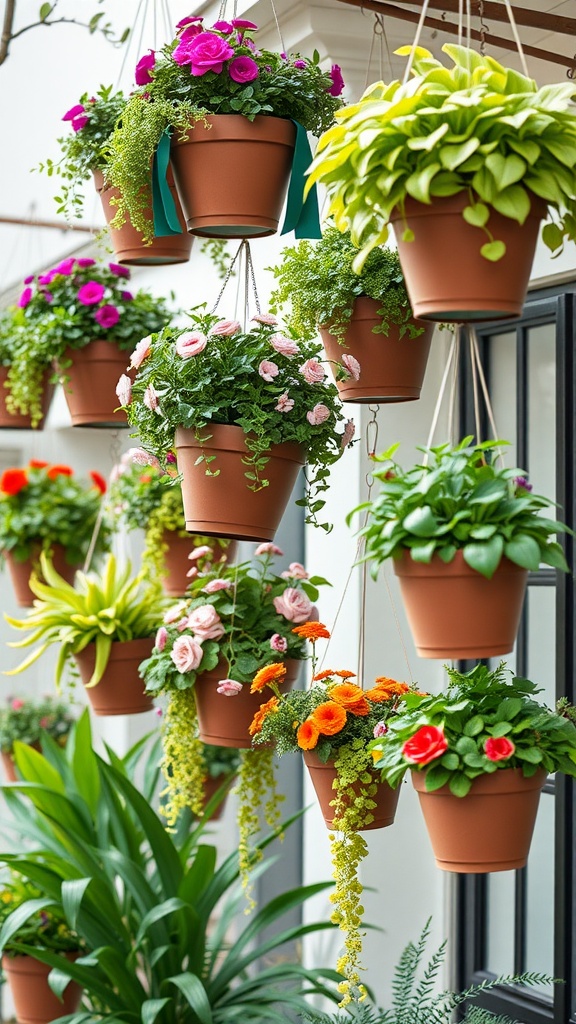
540, 893
541, 638
503, 389
500, 952
542, 409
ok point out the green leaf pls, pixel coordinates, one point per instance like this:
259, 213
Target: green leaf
45, 11
151, 1008
195, 994
524, 551
513, 202
506, 170
508, 709
476, 214
422, 522
493, 251
484, 556
460, 785
552, 236
474, 726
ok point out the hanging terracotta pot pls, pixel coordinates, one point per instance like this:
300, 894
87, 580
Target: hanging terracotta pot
323, 775
490, 829
121, 689
34, 1000
223, 505
211, 786
224, 721
127, 243
177, 563
9, 765
20, 572
91, 388
232, 176
391, 368
17, 421
455, 612
447, 278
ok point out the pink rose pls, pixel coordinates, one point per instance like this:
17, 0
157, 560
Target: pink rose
349, 431
268, 370
498, 748
268, 548
285, 346
425, 745
186, 653
143, 68
140, 353
192, 573
351, 364
124, 389
150, 399
293, 605
208, 53
215, 585
265, 318
142, 458
161, 638
226, 328
205, 623
313, 371
181, 626
16, 704
201, 552
191, 344
243, 69
285, 404
174, 613
319, 414
279, 643
295, 571
229, 687
380, 729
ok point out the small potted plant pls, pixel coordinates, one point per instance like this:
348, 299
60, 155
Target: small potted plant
481, 156
479, 754
463, 533
46, 929
37, 394
47, 508
377, 351
81, 318
236, 112
106, 625
28, 721
150, 499
84, 155
332, 723
245, 409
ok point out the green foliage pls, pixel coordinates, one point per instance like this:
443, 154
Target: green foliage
153, 907
43, 505
460, 500
476, 127
139, 492
318, 282
46, 928
28, 720
219, 761
103, 608
478, 707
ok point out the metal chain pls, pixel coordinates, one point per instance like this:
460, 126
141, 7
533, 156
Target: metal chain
229, 273
483, 28
249, 278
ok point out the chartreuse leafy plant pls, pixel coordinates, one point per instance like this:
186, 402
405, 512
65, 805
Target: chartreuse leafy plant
474, 127
460, 499
28, 720
153, 908
318, 285
485, 721
102, 608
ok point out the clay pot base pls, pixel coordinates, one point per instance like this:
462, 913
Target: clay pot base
34, 1000
91, 391
20, 573
127, 242
323, 775
17, 421
121, 690
224, 721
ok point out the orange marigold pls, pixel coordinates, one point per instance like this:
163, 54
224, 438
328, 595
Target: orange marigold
312, 631
329, 718
307, 735
59, 470
350, 697
262, 713
344, 674
324, 674
386, 690
269, 674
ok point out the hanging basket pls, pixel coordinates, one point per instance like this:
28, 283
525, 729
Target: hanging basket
19, 421
177, 563
34, 1000
490, 829
223, 505
127, 243
91, 388
455, 612
447, 278
224, 721
20, 572
323, 775
232, 176
121, 689
391, 368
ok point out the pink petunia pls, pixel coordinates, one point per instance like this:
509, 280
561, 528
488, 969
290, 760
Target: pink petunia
29, 279
285, 346
107, 316
223, 26
351, 364
91, 293
74, 112
191, 344
203, 551
192, 19
268, 370
337, 80
300, 64
241, 23
313, 371
79, 123
66, 267
144, 66
118, 270
140, 353
85, 261
319, 414
285, 404
25, 298
124, 389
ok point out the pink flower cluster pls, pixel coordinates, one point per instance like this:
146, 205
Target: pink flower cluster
209, 50
88, 293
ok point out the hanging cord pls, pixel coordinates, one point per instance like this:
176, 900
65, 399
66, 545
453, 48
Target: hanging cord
371, 444
419, 28
436, 414
460, 21
243, 253
452, 419
475, 354
477, 421
378, 32
279, 30
115, 447
516, 35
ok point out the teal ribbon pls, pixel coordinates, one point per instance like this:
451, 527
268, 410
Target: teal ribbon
163, 206
302, 215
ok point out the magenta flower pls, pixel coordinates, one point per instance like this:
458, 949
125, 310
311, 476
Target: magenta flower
79, 122
223, 26
25, 298
352, 366
229, 687
107, 316
268, 370
279, 643
47, 278
85, 262
240, 23
48, 296
285, 404
171, 458
523, 483
73, 112
337, 80
118, 270
243, 69
208, 52
143, 68
29, 279
190, 33
300, 64
91, 293
319, 414
124, 389
192, 19
126, 296
313, 371
66, 267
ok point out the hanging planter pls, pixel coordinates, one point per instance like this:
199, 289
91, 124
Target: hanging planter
28, 721
120, 691
34, 1000
24, 421
224, 722
20, 572
323, 776
91, 381
128, 244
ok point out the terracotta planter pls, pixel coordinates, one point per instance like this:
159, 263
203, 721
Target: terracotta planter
455, 612
323, 775
127, 243
121, 690
490, 829
391, 368
20, 573
16, 421
224, 721
9, 765
34, 1000
91, 390
232, 176
447, 278
223, 505
177, 564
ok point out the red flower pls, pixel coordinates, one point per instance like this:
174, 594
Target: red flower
37, 464
98, 481
498, 748
425, 745
13, 480
58, 470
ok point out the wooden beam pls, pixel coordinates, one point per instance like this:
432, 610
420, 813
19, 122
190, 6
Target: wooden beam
497, 12
55, 225
390, 11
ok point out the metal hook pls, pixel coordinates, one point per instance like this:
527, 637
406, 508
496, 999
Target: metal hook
571, 73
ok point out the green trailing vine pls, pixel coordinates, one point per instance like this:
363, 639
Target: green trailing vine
182, 761
256, 777
25, 390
